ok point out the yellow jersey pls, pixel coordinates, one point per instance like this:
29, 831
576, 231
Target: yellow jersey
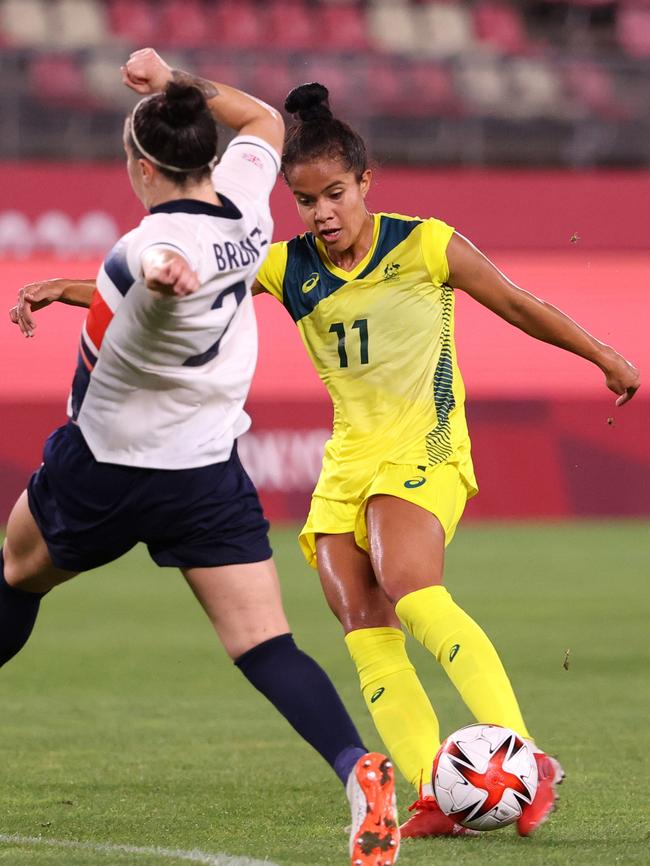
381, 337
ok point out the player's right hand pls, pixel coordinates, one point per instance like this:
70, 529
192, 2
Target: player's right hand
32, 297
621, 377
169, 274
146, 72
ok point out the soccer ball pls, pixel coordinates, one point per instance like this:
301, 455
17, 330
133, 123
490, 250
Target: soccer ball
483, 776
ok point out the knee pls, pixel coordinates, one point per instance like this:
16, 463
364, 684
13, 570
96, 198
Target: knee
12, 569
375, 612
23, 572
405, 577
397, 579
242, 642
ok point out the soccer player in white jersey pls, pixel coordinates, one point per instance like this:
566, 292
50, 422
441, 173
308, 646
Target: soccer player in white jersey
165, 361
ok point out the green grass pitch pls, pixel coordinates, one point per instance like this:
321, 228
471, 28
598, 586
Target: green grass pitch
124, 723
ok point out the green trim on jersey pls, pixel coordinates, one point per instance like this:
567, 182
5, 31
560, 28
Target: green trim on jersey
439, 446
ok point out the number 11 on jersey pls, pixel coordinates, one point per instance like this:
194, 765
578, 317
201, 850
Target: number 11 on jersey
338, 328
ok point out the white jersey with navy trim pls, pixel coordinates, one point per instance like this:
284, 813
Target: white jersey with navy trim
161, 382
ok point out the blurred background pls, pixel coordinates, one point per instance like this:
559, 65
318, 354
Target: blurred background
526, 125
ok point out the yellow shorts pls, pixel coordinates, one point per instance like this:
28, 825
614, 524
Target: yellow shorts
440, 490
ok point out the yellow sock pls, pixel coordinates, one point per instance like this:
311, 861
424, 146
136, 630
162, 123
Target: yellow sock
466, 654
396, 700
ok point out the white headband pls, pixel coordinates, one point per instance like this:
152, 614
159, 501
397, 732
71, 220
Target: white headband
153, 159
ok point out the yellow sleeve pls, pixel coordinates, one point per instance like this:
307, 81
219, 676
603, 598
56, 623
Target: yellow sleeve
435, 239
271, 274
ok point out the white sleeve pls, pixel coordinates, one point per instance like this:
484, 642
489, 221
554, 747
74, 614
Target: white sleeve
249, 166
154, 231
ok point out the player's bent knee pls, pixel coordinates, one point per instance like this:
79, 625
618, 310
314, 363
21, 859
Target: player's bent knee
17, 569
383, 616
31, 572
402, 581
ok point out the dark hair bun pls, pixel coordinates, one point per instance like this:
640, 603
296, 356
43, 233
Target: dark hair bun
309, 102
182, 104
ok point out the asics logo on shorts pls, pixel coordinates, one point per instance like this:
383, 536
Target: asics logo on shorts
309, 284
418, 481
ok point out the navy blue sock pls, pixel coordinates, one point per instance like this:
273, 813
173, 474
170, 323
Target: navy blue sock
18, 610
301, 690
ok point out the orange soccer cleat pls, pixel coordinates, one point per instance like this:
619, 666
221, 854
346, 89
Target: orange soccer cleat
549, 775
430, 820
374, 840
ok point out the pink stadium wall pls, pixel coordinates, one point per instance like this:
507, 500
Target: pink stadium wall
547, 439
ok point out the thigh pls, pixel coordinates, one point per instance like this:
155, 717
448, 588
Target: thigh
27, 562
243, 603
406, 545
410, 515
350, 586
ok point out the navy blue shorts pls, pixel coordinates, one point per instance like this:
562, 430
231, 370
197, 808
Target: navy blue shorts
90, 513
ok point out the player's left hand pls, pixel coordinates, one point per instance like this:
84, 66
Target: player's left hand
146, 72
32, 297
621, 377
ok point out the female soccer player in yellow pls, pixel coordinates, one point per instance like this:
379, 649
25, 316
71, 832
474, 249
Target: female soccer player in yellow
372, 297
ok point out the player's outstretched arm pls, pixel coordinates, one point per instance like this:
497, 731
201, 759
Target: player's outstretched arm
168, 273
146, 72
471, 271
35, 296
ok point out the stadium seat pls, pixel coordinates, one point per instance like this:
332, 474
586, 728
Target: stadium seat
500, 26
58, 79
25, 22
291, 25
386, 89
342, 27
444, 30
182, 24
433, 90
392, 26
482, 86
272, 80
226, 70
417, 89
134, 21
340, 78
592, 3
589, 84
536, 90
236, 24
633, 29
79, 24
103, 81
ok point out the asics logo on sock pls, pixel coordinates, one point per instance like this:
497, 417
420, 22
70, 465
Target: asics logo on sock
454, 652
415, 482
376, 695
